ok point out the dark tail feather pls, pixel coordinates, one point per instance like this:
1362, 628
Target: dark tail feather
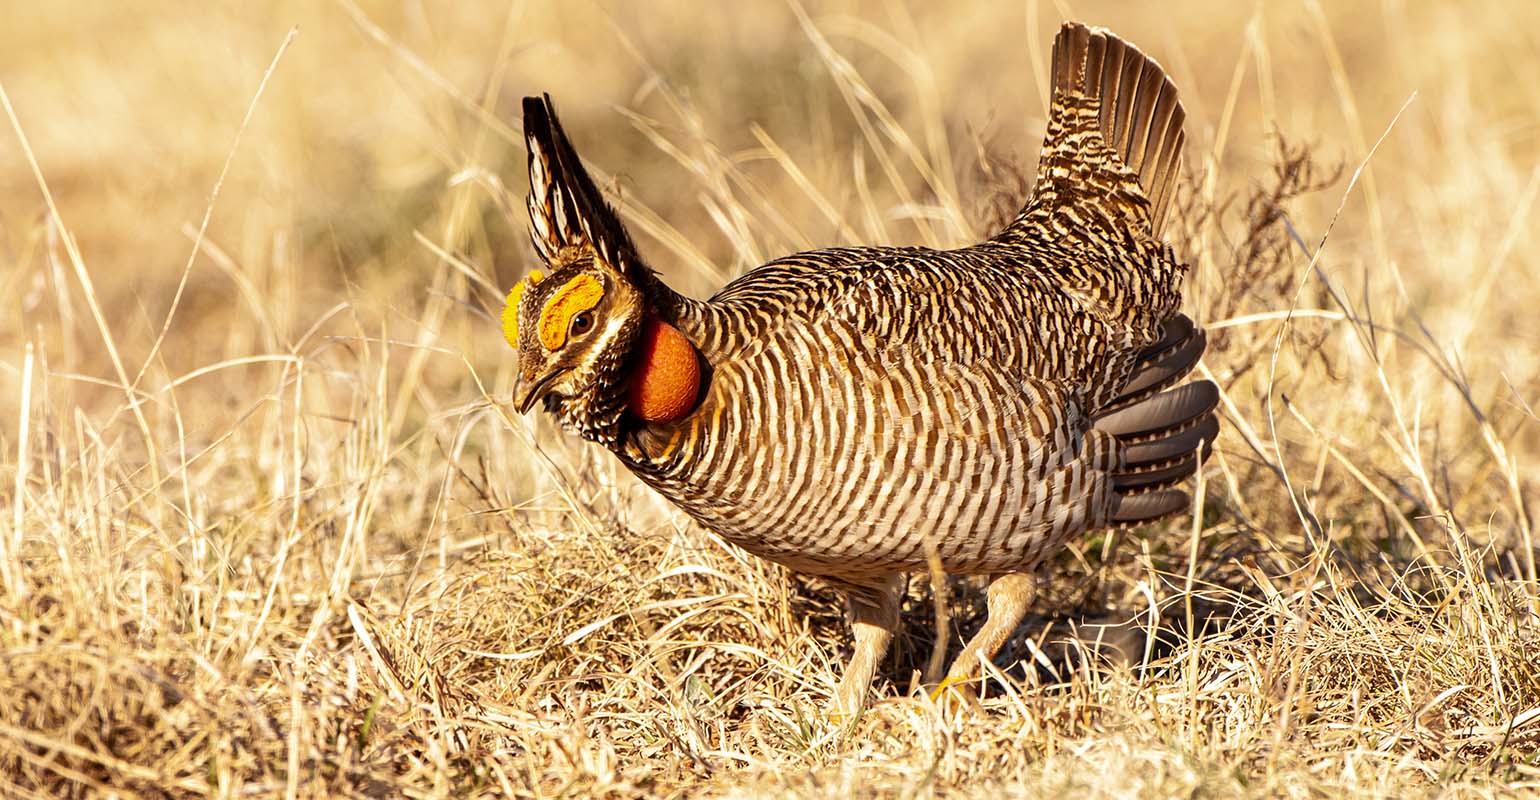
1152, 454
1166, 462
1162, 414
1164, 439
1138, 509
1163, 363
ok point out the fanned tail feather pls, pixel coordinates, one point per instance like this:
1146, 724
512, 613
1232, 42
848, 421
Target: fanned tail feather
1165, 434
1138, 111
1162, 364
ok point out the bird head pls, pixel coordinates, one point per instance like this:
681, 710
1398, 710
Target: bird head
573, 329
575, 323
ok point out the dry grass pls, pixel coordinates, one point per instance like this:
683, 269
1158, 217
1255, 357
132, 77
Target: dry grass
269, 528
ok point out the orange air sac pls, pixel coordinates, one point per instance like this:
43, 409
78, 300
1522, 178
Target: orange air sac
667, 377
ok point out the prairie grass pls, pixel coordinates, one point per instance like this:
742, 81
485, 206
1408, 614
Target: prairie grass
269, 527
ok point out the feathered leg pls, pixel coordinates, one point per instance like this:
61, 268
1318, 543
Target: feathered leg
1010, 595
874, 618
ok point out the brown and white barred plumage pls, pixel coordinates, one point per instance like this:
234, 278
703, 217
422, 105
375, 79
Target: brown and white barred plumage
867, 405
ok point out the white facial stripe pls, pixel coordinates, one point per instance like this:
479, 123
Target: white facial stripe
612, 331
579, 378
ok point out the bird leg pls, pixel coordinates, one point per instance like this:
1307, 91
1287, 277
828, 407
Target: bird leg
874, 618
1010, 595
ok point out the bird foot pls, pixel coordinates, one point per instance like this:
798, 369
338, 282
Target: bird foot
955, 695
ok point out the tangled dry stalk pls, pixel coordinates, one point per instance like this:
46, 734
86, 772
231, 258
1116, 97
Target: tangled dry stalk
269, 528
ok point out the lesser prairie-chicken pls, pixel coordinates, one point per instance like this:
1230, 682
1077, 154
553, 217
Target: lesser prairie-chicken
852, 412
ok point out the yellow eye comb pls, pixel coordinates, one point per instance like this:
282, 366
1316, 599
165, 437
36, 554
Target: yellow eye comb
576, 296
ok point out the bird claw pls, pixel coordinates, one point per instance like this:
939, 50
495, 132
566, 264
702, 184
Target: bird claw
954, 695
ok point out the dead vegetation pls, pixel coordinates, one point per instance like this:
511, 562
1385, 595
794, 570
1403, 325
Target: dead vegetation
269, 528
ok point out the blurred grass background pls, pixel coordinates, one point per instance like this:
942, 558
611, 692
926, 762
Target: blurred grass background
304, 553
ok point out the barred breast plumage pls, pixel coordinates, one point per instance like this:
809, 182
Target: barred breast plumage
866, 409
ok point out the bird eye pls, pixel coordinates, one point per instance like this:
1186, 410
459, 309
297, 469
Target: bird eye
582, 323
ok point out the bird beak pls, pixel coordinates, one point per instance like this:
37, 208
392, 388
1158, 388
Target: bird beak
525, 396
